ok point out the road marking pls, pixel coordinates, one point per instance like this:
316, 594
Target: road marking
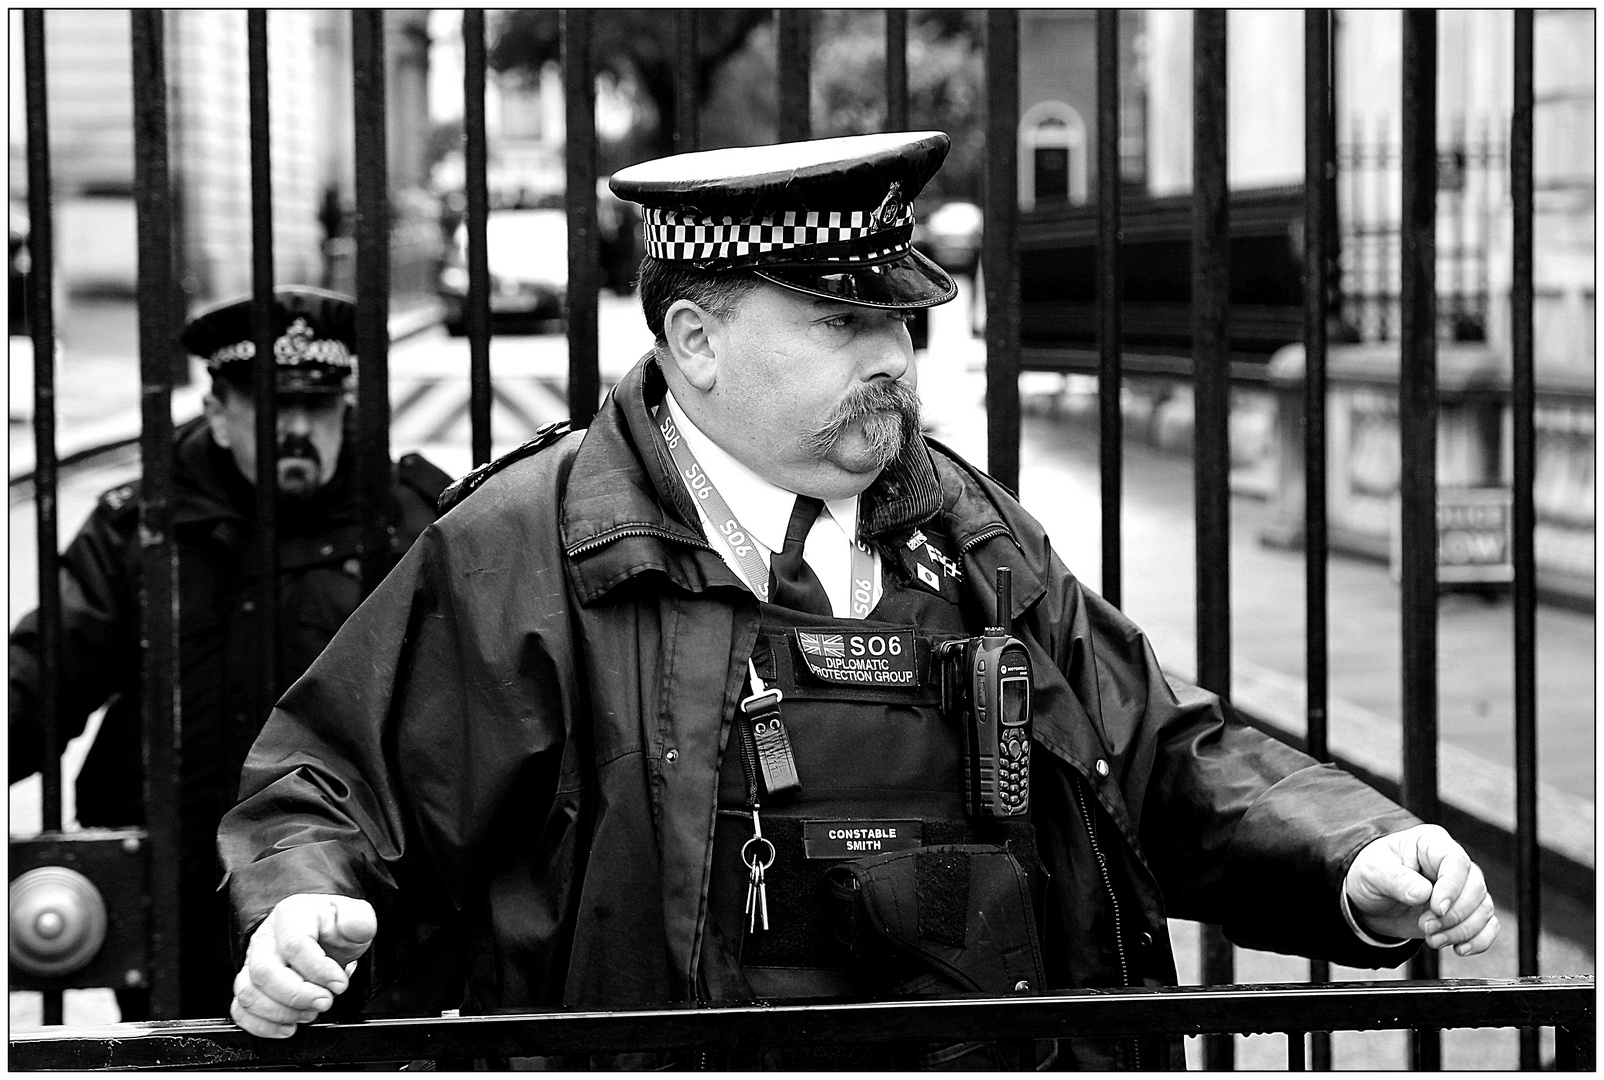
431, 411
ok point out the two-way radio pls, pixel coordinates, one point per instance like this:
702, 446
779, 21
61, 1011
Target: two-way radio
986, 683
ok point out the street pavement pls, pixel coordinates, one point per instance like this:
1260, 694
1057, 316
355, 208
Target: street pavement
97, 392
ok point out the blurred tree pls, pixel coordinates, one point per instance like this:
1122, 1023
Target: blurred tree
736, 77
636, 47
946, 85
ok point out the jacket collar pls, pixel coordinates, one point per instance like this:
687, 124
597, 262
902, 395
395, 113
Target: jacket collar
625, 511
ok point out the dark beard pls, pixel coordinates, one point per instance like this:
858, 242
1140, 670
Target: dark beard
889, 410
301, 449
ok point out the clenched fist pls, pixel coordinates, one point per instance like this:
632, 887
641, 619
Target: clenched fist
1419, 883
299, 958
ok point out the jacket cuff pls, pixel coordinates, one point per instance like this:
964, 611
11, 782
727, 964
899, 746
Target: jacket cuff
256, 888
1359, 931
1288, 866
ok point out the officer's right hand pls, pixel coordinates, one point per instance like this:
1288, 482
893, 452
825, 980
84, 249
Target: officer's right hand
298, 959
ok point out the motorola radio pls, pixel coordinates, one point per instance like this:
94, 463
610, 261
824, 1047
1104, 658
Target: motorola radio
986, 684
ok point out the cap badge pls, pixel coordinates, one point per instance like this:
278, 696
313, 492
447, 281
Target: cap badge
294, 346
891, 208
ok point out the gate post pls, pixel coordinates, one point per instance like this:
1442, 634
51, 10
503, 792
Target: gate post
372, 292
1417, 429
584, 245
153, 205
1000, 246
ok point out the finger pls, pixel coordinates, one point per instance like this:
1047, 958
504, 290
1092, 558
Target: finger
268, 971
1464, 929
255, 1025
1398, 883
260, 1005
307, 959
1444, 861
1472, 897
1482, 941
350, 923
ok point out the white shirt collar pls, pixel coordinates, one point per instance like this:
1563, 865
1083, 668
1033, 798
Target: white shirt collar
762, 508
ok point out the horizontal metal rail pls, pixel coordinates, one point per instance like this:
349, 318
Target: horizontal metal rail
1565, 1003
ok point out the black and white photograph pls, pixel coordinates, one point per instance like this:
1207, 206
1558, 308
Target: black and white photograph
800, 539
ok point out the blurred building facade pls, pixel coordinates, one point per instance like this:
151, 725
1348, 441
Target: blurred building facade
91, 113
1265, 153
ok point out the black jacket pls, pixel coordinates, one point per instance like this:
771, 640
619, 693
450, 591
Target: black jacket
513, 748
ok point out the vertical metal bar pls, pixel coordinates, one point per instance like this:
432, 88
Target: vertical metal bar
795, 63
1319, 214
687, 82
42, 328
584, 243
896, 69
1211, 394
476, 187
372, 292
1000, 246
1295, 1058
1333, 241
1528, 895
1110, 379
264, 377
158, 556
1417, 429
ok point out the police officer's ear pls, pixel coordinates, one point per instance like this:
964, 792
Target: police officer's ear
694, 336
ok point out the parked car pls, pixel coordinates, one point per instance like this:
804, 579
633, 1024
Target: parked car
951, 236
528, 256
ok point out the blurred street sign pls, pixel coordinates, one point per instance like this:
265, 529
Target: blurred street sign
1474, 527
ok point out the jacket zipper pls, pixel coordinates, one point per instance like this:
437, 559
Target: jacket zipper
703, 1059
635, 530
982, 536
749, 761
1113, 901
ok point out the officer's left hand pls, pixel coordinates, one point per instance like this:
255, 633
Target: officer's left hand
1419, 883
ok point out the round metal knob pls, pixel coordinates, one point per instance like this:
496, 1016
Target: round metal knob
58, 921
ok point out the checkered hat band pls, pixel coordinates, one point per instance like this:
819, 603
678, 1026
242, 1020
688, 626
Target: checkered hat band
685, 236
287, 352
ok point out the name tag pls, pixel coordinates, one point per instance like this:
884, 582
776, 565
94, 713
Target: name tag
885, 658
848, 838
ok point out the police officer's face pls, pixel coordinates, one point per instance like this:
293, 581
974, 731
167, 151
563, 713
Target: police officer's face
311, 429
814, 395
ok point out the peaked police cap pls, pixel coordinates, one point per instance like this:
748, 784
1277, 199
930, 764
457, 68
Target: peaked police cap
314, 340
827, 217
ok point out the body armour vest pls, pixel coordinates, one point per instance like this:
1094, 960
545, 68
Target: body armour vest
878, 875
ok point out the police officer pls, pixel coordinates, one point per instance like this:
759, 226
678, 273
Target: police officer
693, 706
220, 597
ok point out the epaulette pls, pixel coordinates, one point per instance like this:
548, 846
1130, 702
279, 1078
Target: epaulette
422, 476
121, 500
466, 485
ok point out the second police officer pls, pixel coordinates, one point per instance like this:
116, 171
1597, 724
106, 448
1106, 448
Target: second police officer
220, 597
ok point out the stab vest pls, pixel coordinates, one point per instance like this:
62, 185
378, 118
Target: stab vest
880, 810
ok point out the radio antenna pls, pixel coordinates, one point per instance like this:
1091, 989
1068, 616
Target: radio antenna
1005, 601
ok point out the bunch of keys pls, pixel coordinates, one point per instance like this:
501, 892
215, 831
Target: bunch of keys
758, 855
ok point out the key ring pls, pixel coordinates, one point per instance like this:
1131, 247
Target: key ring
752, 862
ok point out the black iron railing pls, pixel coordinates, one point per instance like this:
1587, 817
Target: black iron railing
744, 1032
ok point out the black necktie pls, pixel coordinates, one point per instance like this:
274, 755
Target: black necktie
795, 585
